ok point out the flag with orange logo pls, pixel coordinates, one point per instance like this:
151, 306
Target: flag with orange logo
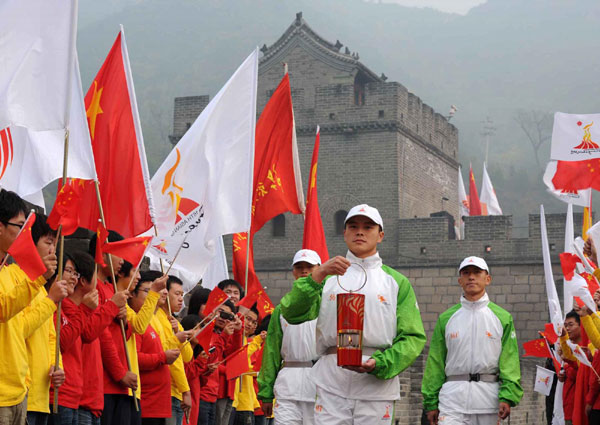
130, 249
203, 189
277, 179
314, 235
24, 252
66, 208
474, 204
118, 147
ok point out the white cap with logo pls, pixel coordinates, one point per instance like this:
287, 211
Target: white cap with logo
474, 261
307, 255
367, 211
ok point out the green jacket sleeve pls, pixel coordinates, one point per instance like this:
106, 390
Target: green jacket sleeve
271, 361
509, 366
435, 367
303, 302
410, 335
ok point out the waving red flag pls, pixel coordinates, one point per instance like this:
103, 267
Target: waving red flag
215, 298
314, 235
537, 348
277, 180
474, 203
65, 211
101, 235
130, 249
118, 147
264, 305
567, 263
237, 363
205, 336
24, 252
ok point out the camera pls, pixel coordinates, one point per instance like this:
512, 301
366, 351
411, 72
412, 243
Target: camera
226, 316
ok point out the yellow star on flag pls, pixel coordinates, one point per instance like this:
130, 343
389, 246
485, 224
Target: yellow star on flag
94, 109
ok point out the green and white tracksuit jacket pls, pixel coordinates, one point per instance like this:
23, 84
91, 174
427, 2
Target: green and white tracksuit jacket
472, 337
289, 343
393, 331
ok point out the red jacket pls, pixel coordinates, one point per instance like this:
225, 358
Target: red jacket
193, 372
95, 325
70, 391
224, 345
155, 377
591, 397
569, 389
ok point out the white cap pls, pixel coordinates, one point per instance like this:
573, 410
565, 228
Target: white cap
307, 255
474, 261
367, 211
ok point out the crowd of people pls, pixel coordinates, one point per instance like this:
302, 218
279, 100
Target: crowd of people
129, 355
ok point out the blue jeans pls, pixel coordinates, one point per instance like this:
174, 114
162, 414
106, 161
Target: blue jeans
177, 411
87, 418
37, 418
68, 416
206, 415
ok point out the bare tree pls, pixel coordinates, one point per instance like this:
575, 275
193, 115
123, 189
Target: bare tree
537, 126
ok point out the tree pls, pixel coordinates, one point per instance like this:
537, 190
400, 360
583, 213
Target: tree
537, 126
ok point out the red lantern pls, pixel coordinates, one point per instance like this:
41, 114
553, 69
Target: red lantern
350, 320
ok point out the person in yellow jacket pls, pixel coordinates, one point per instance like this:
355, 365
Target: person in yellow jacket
40, 334
16, 292
172, 336
244, 400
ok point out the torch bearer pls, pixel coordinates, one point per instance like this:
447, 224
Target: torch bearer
350, 321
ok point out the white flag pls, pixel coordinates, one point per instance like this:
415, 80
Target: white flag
204, 186
578, 287
32, 159
488, 198
579, 354
36, 39
165, 248
543, 380
217, 269
594, 233
575, 137
577, 197
558, 414
463, 203
556, 317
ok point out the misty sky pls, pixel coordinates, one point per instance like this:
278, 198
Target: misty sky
452, 6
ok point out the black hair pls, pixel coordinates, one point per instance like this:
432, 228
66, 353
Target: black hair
198, 297
230, 304
173, 280
112, 237
125, 269
10, 206
149, 275
263, 325
189, 321
573, 315
41, 228
346, 223
254, 310
84, 264
231, 282
138, 286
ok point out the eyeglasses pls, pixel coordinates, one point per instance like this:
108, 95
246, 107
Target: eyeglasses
251, 321
72, 272
19, 225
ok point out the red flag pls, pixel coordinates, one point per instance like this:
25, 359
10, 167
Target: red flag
537, 348
24, 252
251, 298
237, 363
474, 204
591, 281
256, 359
277, 184
314, 235
101, 235
549, 333
240, 246
572, 176
205, 336
264, 305
130, 249
215, 298
65, 211
567, 263
118, 149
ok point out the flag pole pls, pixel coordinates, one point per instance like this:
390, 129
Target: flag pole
162, 270
247, 262
176, 254
114, 282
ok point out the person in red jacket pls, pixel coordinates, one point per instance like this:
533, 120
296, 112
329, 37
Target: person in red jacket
153, 362
195, 369
228, 332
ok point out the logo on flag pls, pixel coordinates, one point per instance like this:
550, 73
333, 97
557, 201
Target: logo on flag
587, 142
6, 150
182, 206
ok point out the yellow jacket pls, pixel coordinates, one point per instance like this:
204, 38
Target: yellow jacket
179, 383
244, 399
139, 322
41, 345
16, 292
